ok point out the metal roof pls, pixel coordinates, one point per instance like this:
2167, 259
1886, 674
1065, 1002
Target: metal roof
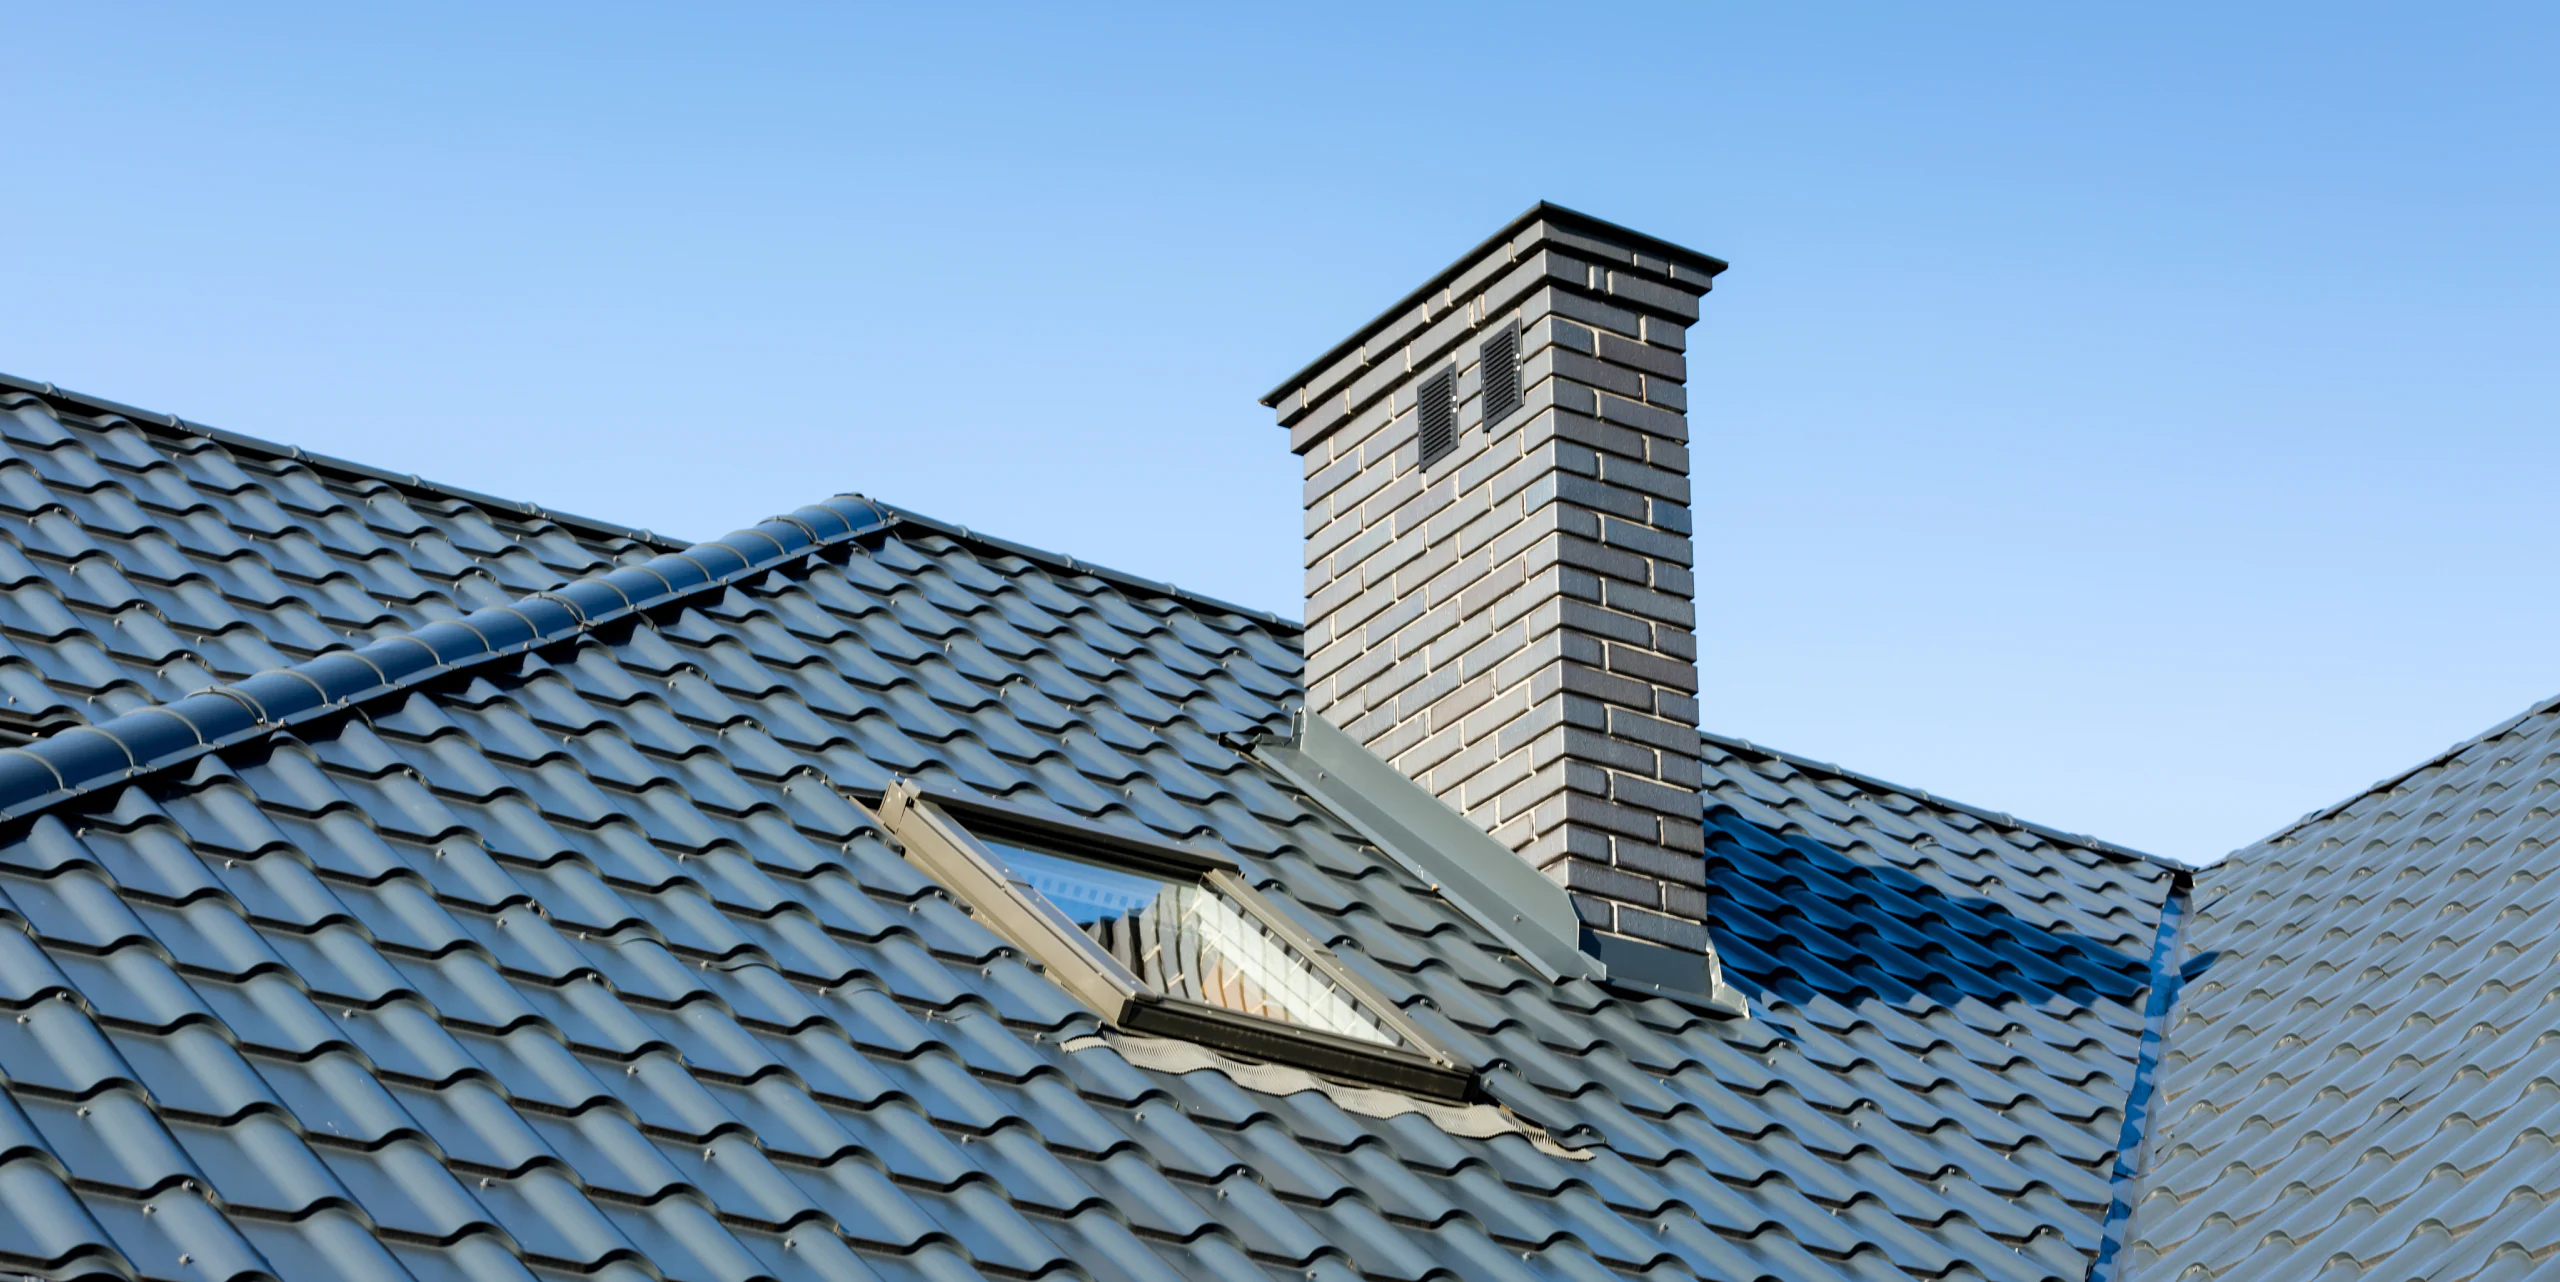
2362, 1075
564, 954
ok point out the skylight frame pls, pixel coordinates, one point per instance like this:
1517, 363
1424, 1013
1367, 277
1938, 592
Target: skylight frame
944, 834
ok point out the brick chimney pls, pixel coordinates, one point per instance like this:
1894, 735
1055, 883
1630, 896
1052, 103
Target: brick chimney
1499, 583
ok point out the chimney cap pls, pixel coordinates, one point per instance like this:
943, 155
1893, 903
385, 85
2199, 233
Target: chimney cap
1566, 219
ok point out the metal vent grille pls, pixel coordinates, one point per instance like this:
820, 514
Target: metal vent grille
1500, 360
1439, 408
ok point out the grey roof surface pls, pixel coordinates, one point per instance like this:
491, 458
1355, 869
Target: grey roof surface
2362, 1076
559, 950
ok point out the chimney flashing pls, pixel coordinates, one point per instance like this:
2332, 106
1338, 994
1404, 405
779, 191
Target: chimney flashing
1518, 904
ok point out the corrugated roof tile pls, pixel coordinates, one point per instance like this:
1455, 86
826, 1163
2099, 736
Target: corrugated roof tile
740, 967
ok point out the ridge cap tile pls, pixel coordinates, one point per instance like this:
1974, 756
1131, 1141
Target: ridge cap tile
282, 696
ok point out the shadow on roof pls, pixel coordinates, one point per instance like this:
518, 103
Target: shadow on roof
1795, 920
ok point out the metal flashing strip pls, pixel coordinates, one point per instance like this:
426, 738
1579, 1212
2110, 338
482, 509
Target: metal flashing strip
74, 762
1473, 1119
1524, 909
2132, 1144
1529, 913
1648, 969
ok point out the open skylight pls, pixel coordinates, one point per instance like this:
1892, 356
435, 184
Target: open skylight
1166, 939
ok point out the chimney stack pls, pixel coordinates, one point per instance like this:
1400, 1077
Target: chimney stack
1499, 562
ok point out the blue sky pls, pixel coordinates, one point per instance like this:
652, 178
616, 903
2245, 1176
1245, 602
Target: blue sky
2140, 420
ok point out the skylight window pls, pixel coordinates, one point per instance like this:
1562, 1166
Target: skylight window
1192, 942
1166, 939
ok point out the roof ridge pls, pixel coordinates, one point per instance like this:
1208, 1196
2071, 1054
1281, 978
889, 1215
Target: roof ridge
2002, 818
84, 759
1075, 565
83, 403
2541, 707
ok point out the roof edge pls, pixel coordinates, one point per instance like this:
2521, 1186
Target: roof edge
1060, 561
1570, 219
1999, 817
85, 404
74, 763
2540, 707
171, 424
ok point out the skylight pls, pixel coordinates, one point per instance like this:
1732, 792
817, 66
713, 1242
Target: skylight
1167, 940
1192, 942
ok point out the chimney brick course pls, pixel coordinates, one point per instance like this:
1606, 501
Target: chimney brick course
1514, 626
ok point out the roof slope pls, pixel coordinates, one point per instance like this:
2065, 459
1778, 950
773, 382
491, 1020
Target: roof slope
2362, 1076
580, 962
1890, 931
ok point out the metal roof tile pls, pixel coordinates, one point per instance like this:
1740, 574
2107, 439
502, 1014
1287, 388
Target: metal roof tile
177, 1229
706, 814
991, 1229
49, 1227
111, 1137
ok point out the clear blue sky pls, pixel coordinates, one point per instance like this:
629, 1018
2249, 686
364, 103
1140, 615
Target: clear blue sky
2139, 419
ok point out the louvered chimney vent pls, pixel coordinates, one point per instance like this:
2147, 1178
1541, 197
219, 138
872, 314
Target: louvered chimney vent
1436, 411
1499, 358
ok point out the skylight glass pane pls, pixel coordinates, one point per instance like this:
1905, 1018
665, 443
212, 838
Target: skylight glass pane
1185, 940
